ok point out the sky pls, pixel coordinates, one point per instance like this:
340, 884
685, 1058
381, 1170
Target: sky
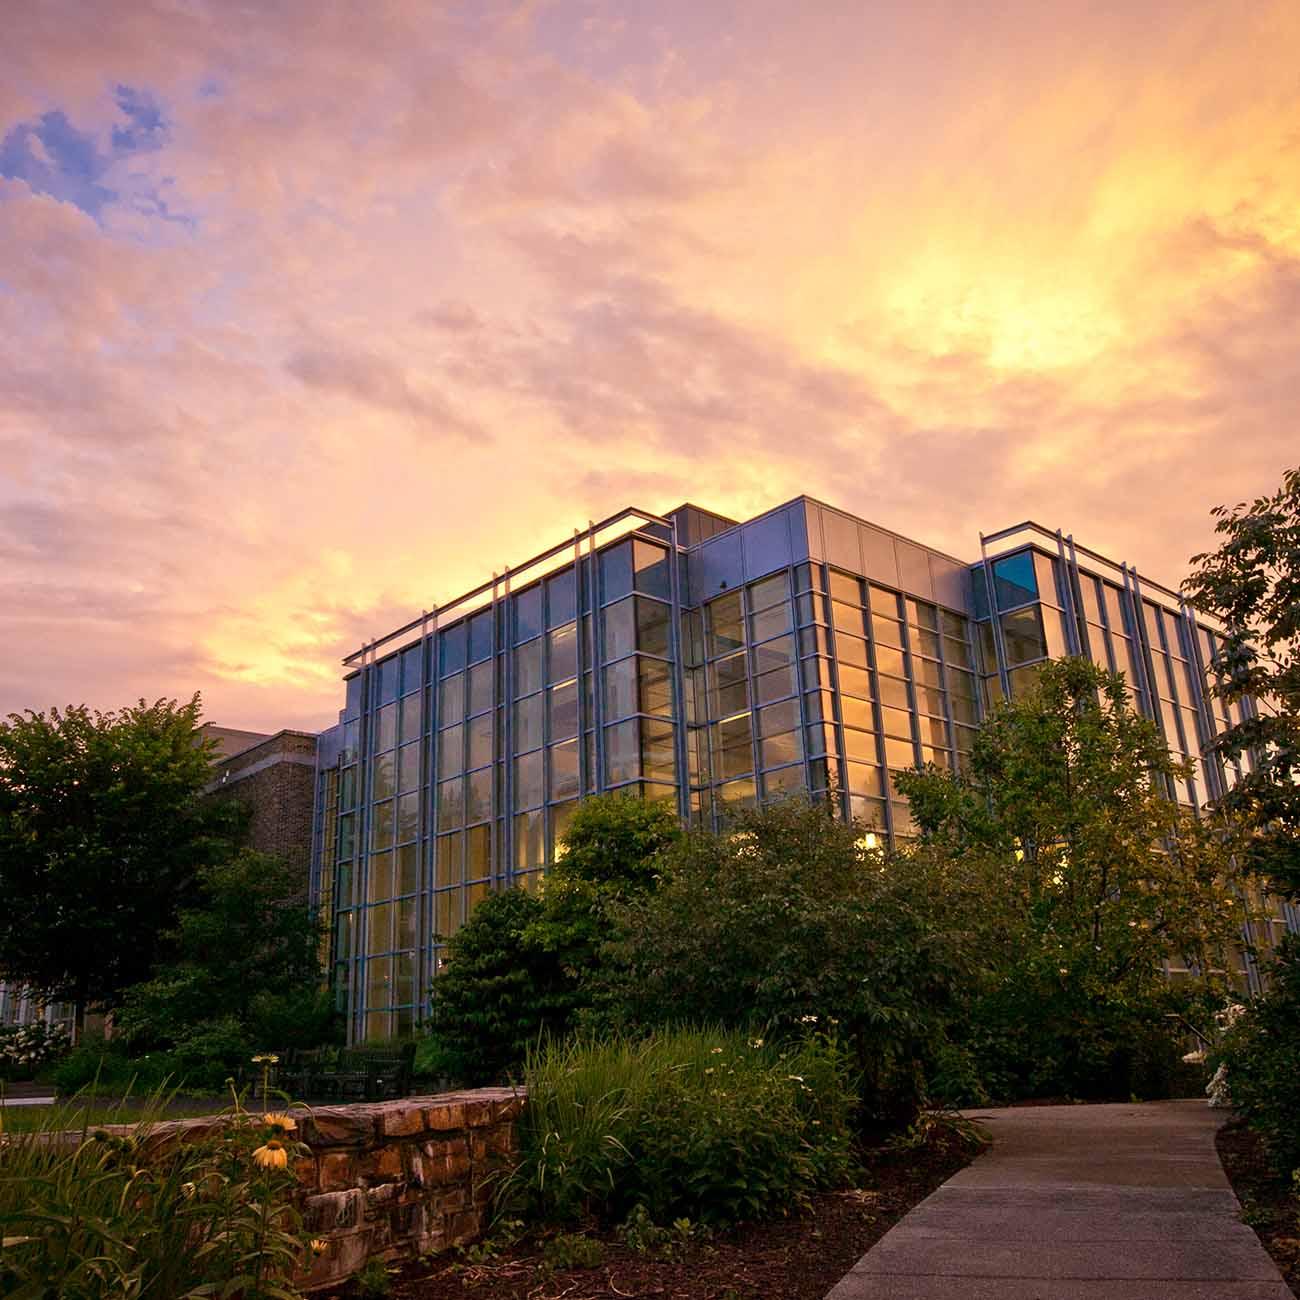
313, 314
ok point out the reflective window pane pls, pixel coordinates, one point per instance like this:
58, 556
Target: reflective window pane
774, 685
409, 768
770, 591
530, 840
478, 853
653, 627
478, 796
561, 598
723, 627
652, 572
564, 770
616, 571
381, 825
480, 687
528, 723
451, 751
383, 773
1022, 635
528, 780
528, 667
451, 804
858, 713
479, 732
408, 817
385, 728
562, 653
775, 751
855, 681
528, 614
451, 699
622, 752
563, 705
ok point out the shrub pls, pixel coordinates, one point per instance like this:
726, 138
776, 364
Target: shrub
26, 1049
102, 1215
498, 992
1262, 1054
710, 1126
108, 1067
523, 965
788, 917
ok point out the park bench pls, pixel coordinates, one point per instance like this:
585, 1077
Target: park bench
366, 1073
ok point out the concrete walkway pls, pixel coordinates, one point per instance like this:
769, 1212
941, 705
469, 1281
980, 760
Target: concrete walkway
1124, 1202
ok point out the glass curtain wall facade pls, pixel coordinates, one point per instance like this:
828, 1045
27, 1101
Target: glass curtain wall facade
1038, 596
707, 663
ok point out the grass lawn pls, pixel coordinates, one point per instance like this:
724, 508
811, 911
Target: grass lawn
69, 1116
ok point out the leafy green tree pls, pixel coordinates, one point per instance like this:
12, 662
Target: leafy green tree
522, 965
1262, 1053
612, 854
1252, 583
1083, 878
247, 974
785, 920
102, 835
499, 991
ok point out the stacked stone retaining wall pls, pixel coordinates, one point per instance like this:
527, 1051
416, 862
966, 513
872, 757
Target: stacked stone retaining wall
398, 1179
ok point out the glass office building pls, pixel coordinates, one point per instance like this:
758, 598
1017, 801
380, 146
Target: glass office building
709, 663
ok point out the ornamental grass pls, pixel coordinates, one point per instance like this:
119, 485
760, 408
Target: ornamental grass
91, 1212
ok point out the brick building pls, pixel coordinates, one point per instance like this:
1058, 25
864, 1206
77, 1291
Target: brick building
274, 775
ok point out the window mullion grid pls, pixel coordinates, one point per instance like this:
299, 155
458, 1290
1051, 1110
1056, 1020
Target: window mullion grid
833, 661
678, 675
792, 596
435, 721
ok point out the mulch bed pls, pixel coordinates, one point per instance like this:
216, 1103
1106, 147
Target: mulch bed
799, 1258
1268, 1203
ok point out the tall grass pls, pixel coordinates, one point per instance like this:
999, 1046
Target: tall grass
705, 1125
87, 1213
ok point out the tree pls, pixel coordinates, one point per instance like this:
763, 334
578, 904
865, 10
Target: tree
786, 919
522, 966
1252, 583
499, 991
612, 853
1084, 878
247, 974
102, 835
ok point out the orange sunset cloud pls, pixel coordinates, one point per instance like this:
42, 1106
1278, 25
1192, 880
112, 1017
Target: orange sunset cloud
316, 315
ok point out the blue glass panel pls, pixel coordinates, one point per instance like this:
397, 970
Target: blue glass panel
1014, 581
979, 591
352, 708
652, 573
480, 636
561, 599
387, 675
453, 644
528, 613
616, 571
411, 668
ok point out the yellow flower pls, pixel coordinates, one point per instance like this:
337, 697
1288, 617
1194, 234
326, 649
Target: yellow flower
187, 1190
280, 1122
266, 1058
319, 1245
272, 1155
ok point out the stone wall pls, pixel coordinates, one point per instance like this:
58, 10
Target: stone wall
398, 1179
388, 1179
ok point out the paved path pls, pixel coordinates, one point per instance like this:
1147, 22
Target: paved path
1078, 1203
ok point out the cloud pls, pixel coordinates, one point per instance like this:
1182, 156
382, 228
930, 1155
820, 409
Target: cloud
374, 381
317, 318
